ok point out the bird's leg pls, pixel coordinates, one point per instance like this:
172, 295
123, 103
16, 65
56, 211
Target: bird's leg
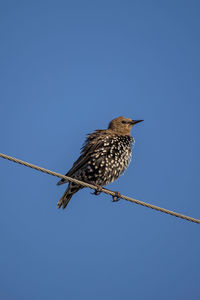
116, 197
98, 190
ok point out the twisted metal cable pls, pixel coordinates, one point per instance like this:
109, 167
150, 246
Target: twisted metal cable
106, 191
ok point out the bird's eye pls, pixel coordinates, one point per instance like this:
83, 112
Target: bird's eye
123, 122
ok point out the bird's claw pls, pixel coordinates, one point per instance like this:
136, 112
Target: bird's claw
116, 197
98, 190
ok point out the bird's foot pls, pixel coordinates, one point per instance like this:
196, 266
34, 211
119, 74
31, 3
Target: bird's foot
116, 196
98, 190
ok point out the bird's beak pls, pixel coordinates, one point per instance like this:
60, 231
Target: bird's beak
136, 121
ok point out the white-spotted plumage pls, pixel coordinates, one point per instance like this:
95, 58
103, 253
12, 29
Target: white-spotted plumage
104, 157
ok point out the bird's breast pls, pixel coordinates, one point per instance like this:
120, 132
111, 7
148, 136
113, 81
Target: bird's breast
110, 160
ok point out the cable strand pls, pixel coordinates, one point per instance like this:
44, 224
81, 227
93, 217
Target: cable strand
106, 191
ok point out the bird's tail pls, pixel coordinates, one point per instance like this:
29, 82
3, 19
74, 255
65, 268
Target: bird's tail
70, 191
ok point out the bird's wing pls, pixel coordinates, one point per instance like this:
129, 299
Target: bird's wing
92, 143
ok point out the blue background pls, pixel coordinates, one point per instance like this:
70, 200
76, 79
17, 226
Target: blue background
68, 68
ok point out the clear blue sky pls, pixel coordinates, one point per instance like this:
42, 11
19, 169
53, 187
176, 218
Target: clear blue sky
66, 69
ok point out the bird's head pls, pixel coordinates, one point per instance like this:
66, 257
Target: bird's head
122, 125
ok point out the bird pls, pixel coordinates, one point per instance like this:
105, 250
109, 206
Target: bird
105, 155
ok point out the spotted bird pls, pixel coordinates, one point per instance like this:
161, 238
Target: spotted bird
105, 155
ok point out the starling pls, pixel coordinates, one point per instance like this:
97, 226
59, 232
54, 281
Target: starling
105, 155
